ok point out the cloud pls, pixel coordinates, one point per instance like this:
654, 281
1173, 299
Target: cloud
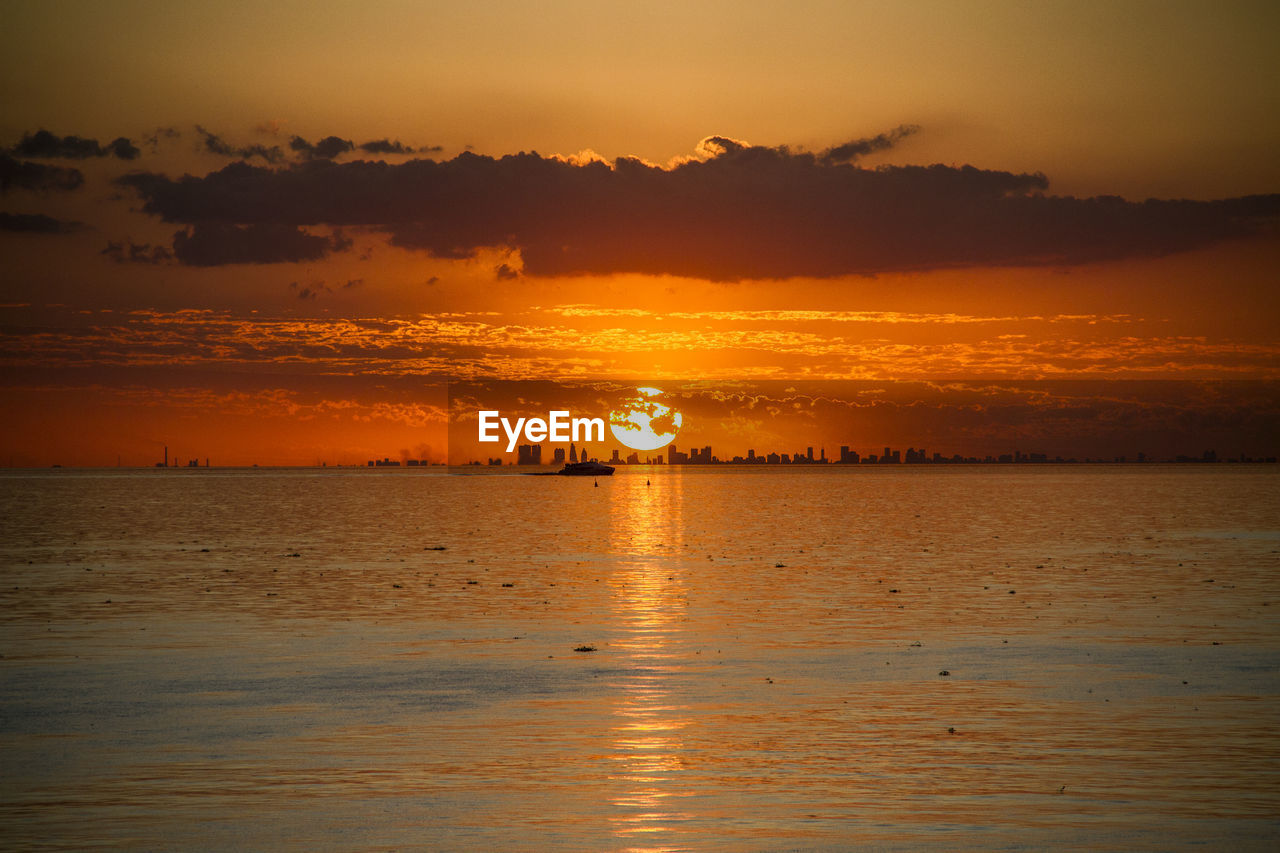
325, 149
309, 291
24, 175
316, 288
851, 151
214, 144
215, 244
332, 147
386, 146
714, 146
161, 134
36, 223
539, 344
738, 212
42, 143
128, 252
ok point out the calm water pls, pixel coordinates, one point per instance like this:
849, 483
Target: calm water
272, 659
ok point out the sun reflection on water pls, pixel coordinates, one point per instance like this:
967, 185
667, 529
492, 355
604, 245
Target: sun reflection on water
649, 598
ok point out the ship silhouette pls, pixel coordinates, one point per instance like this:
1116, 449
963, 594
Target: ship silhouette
577, 469
586, 469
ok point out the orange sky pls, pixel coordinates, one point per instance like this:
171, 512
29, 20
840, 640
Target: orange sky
917, 196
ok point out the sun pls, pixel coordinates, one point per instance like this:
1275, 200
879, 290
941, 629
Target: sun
643, 422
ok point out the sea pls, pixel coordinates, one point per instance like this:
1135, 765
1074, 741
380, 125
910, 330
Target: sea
812, 658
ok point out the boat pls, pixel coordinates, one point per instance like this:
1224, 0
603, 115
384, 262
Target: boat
575, 469
586, 469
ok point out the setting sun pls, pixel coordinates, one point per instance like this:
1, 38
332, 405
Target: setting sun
644, 421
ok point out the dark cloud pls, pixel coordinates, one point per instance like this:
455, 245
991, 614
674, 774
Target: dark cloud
123, 149
740, 212
215, 244
24, 175
714, 146
309, 291
332, 147
214, 144
505, 272
851, 151
326, 149
161, 134
128, 252
36, 223
317, 288
42, 143
386, 146
339, 242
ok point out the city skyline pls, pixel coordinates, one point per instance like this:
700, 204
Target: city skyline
672, 456
1093, 420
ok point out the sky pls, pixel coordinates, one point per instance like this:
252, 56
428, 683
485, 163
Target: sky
278, 234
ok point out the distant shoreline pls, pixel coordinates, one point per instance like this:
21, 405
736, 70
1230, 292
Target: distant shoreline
735, 466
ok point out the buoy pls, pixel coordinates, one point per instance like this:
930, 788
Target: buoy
646, 482
597, 482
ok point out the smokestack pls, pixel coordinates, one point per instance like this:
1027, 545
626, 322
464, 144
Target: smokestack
166, 456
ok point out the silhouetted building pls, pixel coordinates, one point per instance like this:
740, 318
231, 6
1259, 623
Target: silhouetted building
529, 454
557, 458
